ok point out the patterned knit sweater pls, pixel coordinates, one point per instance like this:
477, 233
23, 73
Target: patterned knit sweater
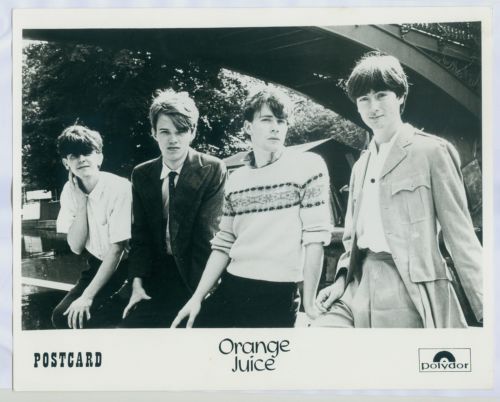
271, 212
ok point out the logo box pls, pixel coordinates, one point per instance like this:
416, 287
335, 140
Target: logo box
452, 360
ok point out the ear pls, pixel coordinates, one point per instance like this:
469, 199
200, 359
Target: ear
153, 133
402, 104
65, 163
247, 126
100, 157
192, 134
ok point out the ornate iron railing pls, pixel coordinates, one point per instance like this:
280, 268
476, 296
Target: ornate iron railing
467, 34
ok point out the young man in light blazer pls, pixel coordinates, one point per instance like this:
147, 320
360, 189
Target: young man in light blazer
404, 189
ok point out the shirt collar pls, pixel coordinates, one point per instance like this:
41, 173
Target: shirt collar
165, 170
249, 159
386, 145
99, 187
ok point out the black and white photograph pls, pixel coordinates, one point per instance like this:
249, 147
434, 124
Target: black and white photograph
250, 195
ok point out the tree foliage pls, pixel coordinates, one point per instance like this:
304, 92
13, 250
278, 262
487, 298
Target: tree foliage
110, 90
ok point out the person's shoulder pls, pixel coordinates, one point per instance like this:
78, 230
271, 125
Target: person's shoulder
207, 159
66, 192
144, 166
429, 141
304, 165
237, 174
115, 185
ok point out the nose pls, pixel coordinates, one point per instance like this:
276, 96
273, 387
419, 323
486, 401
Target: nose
172, 139
274, 125
374, 105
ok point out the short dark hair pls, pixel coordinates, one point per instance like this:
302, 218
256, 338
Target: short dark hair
377, 71
178, 106
276, 100
78, 140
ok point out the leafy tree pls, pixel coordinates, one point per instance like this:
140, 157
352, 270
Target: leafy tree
110, 90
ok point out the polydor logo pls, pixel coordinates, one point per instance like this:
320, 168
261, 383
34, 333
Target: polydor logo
444, 360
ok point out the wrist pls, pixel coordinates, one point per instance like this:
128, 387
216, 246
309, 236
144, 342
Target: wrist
340, 280
308, 304
137, 283
88, 295
197, 297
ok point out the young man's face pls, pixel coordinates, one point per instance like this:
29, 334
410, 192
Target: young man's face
83, 166
267, 131
173, 144
380, 110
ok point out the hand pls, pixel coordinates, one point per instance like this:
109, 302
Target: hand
330, 294
191, 309
138, 294
77, 310
80, 196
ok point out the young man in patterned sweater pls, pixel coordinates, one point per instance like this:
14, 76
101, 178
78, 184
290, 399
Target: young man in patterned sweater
275, 223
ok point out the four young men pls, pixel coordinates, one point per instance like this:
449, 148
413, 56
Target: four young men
276, 220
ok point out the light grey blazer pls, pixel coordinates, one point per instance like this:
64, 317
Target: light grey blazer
422, 192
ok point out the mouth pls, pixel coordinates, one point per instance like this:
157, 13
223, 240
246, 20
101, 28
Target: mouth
173, 148
83, 167
274, 139
376, 117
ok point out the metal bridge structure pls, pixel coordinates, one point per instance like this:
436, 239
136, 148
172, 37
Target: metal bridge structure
443, 62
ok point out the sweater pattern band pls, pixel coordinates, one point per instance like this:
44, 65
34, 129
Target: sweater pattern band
275, 197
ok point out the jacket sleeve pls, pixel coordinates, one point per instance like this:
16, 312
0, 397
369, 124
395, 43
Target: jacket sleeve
347, 238
208, 216
453, 215
140, 257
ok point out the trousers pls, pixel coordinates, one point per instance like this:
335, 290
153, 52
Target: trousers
108, 304
168, 295
250, 303
377, 298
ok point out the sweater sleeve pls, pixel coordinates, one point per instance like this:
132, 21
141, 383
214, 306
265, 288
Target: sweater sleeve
315, 209
225, 237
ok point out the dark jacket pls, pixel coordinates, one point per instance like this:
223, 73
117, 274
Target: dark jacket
193, 217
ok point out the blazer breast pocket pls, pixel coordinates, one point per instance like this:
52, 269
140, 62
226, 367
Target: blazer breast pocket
413, 197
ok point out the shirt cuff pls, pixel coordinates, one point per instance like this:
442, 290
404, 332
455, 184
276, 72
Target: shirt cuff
319, 236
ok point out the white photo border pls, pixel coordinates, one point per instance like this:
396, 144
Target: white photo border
86, 340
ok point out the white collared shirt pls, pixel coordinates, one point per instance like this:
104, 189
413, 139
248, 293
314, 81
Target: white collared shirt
369, 227
109, 213
165, 196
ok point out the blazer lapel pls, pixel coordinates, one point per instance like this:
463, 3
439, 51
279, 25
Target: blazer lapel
398, 151
152, 194
191, 178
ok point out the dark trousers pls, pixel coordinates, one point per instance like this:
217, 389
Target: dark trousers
108, 304
249, 303
168, 295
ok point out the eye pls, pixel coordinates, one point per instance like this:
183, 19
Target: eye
281, 121
381, 95
362, 99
